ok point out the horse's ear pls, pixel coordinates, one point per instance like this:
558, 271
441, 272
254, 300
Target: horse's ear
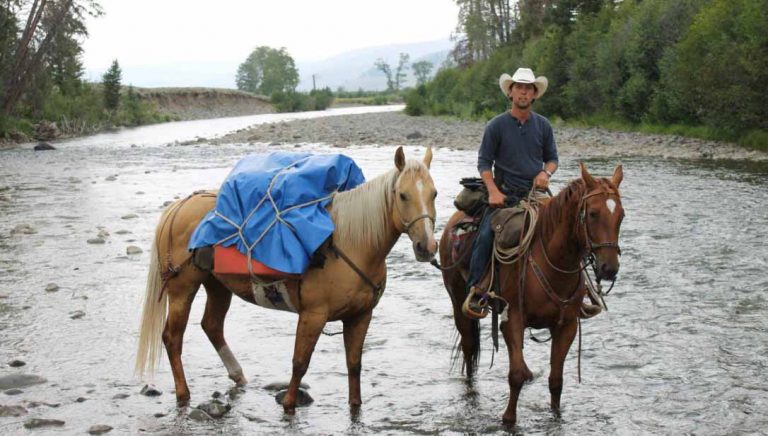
400, 159
428, 157
618, 175
588, 179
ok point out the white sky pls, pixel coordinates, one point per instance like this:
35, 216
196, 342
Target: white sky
151, 32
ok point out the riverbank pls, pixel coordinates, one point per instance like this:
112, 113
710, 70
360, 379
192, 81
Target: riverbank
396, 128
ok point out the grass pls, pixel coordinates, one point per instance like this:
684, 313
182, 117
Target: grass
754, 139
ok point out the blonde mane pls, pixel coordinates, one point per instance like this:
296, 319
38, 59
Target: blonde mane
362, 215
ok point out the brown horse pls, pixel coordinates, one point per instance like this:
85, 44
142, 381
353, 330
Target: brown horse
584, 218
368, 220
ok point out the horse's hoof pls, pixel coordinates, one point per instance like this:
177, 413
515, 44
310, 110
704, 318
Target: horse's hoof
509, 420
182, 402
241, 382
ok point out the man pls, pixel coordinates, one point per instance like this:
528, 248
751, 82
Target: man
519, 147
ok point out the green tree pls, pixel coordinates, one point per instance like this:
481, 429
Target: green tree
266, 71
718, 73
421, 70
402, 65
384, 67
111, 82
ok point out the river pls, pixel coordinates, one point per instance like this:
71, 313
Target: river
682, 350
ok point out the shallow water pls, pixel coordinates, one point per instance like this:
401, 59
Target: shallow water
683, 349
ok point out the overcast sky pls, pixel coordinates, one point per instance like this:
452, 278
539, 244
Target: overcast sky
152, 32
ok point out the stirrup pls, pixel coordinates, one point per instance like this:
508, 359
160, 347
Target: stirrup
589, 310
476, 304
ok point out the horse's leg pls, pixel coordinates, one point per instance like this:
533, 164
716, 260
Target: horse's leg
307, 332
355, 330
180, 296
518, 370
216, 309
469, 330
562, 338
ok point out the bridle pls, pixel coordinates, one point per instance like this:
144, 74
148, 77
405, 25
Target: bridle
591, 245
407, 224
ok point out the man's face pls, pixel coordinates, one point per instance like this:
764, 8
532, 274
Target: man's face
522, 94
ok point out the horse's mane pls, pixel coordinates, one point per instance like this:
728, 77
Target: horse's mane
564, 206
362, 214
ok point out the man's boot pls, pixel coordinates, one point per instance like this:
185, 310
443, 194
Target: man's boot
589, 310
476, 304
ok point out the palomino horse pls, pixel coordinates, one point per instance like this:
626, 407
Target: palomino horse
583, 219
368, 221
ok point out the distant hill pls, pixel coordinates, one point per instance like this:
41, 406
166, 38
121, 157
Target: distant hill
351, 70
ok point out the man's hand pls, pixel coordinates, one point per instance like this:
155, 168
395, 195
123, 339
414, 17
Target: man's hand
541, 181
496, 199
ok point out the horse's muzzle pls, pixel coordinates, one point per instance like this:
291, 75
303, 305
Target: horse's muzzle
607, 270
425, 251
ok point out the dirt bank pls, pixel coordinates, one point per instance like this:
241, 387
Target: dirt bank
205, 103
395, 128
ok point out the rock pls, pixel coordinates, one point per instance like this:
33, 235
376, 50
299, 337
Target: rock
24, 229
13, 391
122, 232
99, 429
51, 287
132, 249
81, 400
96, 241
120, 396
111, 178
150, 391
12, 411
74, 180
76, 314
159, 414
43, 146
20, 381
41, 422
254, 418
103, 234
279, 386
16, 363
45, 130
129, 216
214, 408
302, 398
199, 415
414, 135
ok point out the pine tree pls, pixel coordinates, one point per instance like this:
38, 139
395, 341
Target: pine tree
111, 82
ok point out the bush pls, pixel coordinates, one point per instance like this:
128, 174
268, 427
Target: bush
416, 101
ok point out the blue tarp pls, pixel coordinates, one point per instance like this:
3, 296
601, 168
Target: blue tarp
299, 178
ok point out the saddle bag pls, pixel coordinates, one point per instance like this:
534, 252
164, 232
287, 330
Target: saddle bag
508, 225
473, 197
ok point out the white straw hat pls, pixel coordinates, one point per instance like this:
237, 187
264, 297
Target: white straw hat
523, 75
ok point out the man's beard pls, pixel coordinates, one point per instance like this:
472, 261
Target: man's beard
519, 106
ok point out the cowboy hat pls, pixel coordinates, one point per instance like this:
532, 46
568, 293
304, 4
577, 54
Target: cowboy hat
523, 75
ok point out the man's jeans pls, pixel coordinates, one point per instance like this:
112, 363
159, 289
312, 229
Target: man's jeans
483, 245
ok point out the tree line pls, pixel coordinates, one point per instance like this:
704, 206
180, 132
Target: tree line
700, 65
41, 75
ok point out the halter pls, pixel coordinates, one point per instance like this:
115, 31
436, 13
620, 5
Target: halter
407, 224
592, 246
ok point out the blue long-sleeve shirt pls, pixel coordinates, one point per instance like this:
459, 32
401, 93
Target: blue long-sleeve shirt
516, 152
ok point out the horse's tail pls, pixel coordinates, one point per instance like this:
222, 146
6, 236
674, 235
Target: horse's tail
150, 346
474, 357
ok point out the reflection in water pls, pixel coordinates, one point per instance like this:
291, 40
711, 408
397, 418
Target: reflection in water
682, 350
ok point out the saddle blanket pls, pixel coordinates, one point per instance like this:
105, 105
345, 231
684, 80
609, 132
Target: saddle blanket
274, 206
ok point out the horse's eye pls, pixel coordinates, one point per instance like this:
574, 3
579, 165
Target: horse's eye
593, 214
403, 197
